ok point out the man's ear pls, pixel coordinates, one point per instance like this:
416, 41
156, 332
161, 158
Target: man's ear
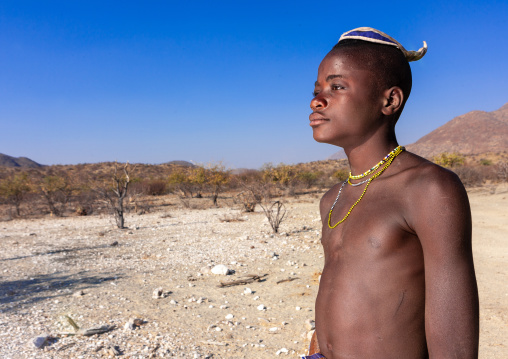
393, 100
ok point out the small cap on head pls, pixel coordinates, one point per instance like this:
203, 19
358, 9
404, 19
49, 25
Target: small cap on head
372, 35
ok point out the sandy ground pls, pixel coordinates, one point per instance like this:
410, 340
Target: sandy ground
84, 268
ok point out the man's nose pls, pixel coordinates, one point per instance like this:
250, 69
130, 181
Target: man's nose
318, 103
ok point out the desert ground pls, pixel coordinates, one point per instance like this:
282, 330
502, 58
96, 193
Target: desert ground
82, 268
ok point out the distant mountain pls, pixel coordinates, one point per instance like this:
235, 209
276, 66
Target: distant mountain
475, 132
8, 161
180, 163
339, 155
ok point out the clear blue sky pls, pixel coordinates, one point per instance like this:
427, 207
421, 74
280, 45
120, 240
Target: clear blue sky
231, 81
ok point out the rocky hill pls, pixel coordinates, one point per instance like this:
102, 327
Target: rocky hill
473, 133
8, 161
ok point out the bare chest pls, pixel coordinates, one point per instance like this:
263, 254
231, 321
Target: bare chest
374, 226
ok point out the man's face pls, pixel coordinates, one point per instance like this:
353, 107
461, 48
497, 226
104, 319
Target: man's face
347, 103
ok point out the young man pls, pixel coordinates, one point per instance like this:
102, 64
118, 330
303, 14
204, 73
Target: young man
398, 279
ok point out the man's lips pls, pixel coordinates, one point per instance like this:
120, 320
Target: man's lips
317, 119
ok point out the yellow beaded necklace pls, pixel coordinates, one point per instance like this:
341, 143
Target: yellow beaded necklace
396, 153
392, 154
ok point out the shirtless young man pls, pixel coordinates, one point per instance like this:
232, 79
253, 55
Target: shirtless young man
398, 279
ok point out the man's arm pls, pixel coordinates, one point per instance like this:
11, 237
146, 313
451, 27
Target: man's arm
440, 215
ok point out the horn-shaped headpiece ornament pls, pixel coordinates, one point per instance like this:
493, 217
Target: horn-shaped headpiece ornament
372, 35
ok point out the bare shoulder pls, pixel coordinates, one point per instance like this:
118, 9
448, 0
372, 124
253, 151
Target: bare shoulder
423, 175
431, 190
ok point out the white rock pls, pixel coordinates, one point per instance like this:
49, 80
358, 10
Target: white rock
261, 307
310, 324
273, 329
280, 351
158, 293
220, 269
298, 308
217, 329
40, 340
172, 301
229, 316
247, 291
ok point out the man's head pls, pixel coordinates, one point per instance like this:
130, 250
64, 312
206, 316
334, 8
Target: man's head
362, 86
387, 64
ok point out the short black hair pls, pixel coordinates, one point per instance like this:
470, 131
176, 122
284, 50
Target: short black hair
386, 61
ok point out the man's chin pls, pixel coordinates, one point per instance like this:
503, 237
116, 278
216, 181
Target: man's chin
321, 139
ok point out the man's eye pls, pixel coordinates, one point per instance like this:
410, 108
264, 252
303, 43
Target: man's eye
337, 87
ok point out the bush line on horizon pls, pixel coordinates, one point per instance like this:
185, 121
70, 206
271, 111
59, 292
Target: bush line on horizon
60, 190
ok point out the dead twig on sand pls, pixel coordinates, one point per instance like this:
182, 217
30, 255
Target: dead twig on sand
86, 332
249, 279
91, 331
287, 280
214, 343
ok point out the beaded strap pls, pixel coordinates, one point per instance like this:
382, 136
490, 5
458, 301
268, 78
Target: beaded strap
392, 154
363, 193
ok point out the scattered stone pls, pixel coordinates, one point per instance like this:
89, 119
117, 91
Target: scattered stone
280, 351
172, 301
298, 308
261, 307
229, 316
115, 243
41, 340
133, 323
220, 269
158, 293
273, 329
310, 324
247, 291
79, 293
113, 351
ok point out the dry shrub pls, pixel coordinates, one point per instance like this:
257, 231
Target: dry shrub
502, 171
157, 188
449, 160
470, 176
341, 174
249, 200
309, 178
275, 213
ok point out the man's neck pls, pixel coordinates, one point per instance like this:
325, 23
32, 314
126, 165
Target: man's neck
364, 157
